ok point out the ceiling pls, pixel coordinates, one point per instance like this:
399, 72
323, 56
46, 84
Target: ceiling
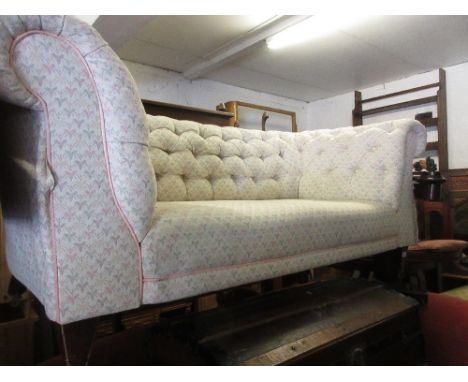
377, 50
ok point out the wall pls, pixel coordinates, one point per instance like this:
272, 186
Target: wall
336, 111
167, 86
90, 19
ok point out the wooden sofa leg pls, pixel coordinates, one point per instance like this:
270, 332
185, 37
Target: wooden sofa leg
78, 340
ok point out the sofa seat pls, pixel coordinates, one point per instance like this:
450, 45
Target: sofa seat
196, 247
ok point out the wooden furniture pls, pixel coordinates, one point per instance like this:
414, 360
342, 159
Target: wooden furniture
455, 178
221, 118
4, 273
16, 333
430, 203
225, 115
436, 255
425, 210
234, 106
439, 258
455, 190
430, 260
457, 187
440, 98
353, 322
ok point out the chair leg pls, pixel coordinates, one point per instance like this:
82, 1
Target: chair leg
78, 340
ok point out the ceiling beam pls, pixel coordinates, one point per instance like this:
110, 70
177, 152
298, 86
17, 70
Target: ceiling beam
237, 47
117, 30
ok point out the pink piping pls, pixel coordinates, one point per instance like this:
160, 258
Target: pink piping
49, 160
262, 261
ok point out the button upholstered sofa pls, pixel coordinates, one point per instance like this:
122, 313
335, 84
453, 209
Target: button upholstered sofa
106, 208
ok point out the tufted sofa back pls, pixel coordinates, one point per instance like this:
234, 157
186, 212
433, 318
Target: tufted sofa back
193, 161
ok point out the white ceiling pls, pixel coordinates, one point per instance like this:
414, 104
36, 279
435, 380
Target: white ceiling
378, 50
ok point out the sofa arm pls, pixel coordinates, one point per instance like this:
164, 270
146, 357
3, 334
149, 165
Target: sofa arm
367, 162
81, 190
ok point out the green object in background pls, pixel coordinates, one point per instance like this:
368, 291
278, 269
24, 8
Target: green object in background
460, 292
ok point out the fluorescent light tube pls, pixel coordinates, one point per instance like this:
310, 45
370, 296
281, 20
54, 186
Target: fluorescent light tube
311, 28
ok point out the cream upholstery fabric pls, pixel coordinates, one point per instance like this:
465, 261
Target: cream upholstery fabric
73, 139
328, 196
233, 205
361, 163
193, 243
203, 162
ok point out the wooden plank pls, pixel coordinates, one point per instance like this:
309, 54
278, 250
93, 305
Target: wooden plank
233, 107
184, 107
442, 125
264, 108
182, 112
4, 272
406, 91
357, 111
289, 336
400, 105
215, 324
458, 172
275, 328
287, 352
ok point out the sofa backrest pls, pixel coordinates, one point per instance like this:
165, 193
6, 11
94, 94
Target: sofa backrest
193, 161
202, 162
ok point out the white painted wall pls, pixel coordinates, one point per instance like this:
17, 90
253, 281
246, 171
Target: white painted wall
167, 86
90, 19
336, 111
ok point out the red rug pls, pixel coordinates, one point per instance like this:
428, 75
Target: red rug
445, 327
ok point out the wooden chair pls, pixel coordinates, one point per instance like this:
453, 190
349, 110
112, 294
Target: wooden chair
437, 255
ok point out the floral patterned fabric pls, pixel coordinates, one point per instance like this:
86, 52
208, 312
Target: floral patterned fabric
234, 206
193, 161
342, 198
191, 240
199, 247
77, 155
367, 162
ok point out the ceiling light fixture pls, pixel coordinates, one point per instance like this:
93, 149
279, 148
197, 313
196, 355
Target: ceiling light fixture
311, 28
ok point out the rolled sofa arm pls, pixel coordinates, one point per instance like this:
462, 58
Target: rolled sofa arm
79, 192
367, 162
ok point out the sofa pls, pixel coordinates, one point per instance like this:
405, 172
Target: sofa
107, 208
